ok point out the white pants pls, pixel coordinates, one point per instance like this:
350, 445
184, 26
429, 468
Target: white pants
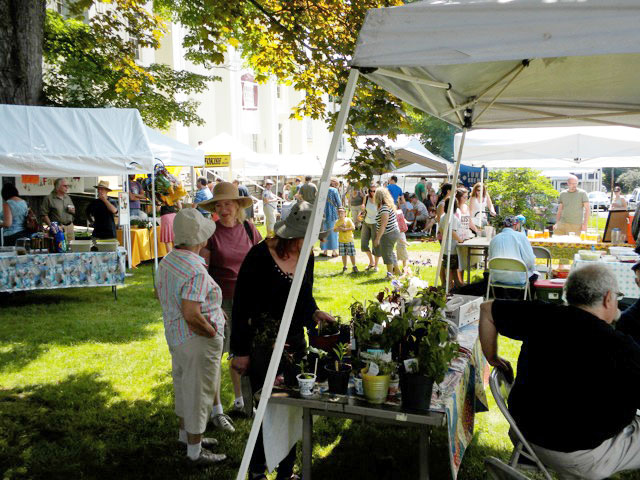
269, 217
618, 453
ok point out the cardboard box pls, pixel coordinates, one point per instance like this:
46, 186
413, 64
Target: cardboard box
466, 313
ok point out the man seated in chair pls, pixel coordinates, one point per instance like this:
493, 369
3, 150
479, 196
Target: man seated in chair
512, 243
576, 392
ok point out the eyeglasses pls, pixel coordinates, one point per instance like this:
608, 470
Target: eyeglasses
619, 295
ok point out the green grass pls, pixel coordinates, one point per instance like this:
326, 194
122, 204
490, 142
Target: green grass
86, 392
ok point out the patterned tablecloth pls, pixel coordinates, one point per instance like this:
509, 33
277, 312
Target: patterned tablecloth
566, 241
61, 270
625, 276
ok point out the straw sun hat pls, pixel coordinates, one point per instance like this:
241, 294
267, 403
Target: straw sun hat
103, 184
225, 191
296, 223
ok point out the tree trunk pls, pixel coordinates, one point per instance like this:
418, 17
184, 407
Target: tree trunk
21, 36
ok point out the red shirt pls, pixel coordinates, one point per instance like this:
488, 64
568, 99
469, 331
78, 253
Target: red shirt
228, 247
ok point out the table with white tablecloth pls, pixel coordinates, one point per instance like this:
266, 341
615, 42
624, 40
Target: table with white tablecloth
622, 270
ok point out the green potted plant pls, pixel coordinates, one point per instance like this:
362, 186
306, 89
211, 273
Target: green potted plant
306, 381
338, 371
319, 356
328, 334
375, 380
429, 362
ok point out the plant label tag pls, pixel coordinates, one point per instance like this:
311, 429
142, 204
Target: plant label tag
373, 369
376, 329
401, 417
411, 365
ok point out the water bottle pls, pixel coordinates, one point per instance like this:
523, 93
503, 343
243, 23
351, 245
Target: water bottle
615, 235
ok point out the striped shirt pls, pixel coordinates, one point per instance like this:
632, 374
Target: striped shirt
182, 275
392, 223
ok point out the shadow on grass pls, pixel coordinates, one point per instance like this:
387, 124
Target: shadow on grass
17, 356
373, 281
80, 428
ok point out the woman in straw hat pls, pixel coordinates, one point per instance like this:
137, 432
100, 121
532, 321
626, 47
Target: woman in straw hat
101, 212
261, 293
193, 326
224, 253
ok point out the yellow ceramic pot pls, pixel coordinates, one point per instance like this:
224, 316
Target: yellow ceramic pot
376, 388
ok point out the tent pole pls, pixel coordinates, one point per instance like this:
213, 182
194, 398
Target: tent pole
153, 227
126, 230
309, 239
446, 234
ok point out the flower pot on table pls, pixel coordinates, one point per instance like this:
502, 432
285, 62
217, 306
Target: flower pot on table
338, 379
416, 391
324, 342
376, 387
306, 384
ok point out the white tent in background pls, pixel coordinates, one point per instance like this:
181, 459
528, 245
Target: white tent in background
593, 147
172, 152
416, 153
487, 64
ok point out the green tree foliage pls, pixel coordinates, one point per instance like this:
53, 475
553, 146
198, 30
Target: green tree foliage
521, 191
629, 180
307, 44
435, 134
94, 64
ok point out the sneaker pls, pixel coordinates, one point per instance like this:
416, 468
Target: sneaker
206, 442
207, 458
374, 269
344, 269
223, 422
355, 269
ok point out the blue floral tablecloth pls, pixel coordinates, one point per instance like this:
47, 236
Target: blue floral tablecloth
61, 270
622, 271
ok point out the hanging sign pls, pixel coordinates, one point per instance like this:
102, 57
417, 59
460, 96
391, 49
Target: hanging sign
216, 160
123, 208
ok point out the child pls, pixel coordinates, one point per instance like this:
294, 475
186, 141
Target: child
345, 227
450, 252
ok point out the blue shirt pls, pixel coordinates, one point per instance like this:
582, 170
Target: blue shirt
512, 244
19, 209
332, 205
395, 192
203, 195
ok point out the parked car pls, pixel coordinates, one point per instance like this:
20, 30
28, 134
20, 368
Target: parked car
633, 199
599, 200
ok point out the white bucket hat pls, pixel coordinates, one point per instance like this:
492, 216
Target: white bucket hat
191, 228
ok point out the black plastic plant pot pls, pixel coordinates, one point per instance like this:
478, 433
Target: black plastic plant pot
416, 391
345, 334
338, 380
321, 376
290, 372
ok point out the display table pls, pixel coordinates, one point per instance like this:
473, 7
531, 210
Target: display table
62, 270
453, 406
625, 276
474, 246
142, 245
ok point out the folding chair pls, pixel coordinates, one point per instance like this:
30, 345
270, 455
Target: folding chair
500, 389
541, 252
498, 470
507, 265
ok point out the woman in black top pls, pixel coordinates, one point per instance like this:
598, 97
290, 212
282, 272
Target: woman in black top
101, 210
261, 293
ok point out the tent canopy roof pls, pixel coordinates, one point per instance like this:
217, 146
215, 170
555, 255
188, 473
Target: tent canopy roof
414, 152
172, 152
593, 147
567, 63
51, 141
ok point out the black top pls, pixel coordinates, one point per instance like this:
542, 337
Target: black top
103, 226
262, 288
629, 322
578, 380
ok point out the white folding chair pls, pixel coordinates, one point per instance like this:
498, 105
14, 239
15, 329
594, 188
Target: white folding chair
498, 470
541, 252
507, 265
500, 389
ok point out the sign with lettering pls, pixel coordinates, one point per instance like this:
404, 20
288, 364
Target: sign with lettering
217, 160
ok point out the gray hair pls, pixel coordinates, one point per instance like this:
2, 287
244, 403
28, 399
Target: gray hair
587, 285
57, 182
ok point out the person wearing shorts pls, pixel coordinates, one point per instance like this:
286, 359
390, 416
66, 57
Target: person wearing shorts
449, 256
345, 227
387, 231
193, 326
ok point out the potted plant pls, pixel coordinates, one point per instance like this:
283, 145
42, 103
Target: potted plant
328, 334
289, 369
375, 380
338, 372
319, 356
306, 381
428, 363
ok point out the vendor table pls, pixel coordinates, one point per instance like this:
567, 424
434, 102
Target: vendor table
625, 276
142, 245
475, 246
453, 406
62, 270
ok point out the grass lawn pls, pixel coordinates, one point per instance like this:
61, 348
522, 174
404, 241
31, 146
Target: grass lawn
85, 392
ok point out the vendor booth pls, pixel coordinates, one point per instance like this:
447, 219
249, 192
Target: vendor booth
490, 64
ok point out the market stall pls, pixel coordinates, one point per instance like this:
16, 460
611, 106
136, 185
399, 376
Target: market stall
567, 64
142, 244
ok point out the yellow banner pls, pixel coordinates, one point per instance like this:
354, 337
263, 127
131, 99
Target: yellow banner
216, 160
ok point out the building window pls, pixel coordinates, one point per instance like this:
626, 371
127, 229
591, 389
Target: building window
60, 7
136, 49
254, 142
309, 130
342, 147
280, 138
278, 91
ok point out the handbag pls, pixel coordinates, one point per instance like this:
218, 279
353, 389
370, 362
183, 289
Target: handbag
31, 222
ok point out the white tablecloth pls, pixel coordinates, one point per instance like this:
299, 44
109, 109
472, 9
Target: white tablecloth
622, 271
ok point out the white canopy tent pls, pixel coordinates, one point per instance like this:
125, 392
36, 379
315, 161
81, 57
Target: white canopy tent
416, 153
489, 64
172, 152
567, 147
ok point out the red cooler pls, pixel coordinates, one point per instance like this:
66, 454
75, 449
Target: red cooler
549, 290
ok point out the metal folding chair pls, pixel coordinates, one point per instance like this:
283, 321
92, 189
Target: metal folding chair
541, 252
507, 265
500, 389
498, 470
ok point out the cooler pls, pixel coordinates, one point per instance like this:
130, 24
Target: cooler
549, 290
